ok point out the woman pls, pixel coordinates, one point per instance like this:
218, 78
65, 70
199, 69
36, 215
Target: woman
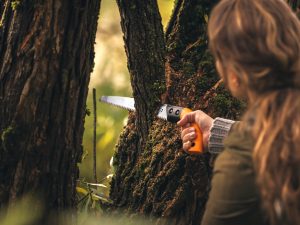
256, 45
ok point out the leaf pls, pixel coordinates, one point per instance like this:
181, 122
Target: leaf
81, 190
96, 197
97, 185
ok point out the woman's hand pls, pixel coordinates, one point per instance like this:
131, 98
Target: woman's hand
188, 133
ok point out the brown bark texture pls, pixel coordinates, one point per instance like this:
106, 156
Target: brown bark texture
145, 49
157, 178
46, 57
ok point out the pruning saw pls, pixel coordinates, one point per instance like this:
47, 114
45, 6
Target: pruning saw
167, 112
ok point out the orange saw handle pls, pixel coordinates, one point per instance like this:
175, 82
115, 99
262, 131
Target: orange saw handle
197, 145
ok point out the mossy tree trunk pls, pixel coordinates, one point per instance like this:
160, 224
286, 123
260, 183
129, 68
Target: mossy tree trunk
46, 57
157, 178
145, 49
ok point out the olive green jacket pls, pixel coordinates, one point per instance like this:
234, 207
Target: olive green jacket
234, 197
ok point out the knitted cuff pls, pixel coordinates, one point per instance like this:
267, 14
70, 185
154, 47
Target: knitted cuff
218, 131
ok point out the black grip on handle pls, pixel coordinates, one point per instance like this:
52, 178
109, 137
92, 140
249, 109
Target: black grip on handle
173, 113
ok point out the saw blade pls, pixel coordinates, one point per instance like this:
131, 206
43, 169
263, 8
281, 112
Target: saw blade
128, 103
122, 102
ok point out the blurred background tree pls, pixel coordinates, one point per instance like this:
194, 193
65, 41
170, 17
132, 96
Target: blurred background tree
46, 58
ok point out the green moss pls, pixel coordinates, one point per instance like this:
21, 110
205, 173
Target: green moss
227, 106
172, 46
158, 87
207, 62
6, 137
189, 68
221, 102
15, 4
206, 82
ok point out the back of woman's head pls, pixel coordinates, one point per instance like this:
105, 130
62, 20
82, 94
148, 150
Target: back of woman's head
260, 41
260, 38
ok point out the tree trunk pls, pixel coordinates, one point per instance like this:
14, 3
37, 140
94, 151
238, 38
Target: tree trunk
46, 57
158, 179
145, 49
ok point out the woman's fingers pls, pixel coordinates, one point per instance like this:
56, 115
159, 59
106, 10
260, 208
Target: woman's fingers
189, 137
199, 118
186, 131
187, 145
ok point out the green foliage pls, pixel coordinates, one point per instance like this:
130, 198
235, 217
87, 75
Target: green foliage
227, 106
110, 121
110, 77
91, 195
29, 211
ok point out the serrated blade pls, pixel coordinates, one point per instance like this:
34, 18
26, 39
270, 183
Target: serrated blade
123, 102
128, 103
170, 113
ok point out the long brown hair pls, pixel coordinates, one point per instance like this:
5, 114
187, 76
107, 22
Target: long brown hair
260, 40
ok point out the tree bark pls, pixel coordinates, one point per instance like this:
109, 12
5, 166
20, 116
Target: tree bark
46, 57
145, 49
162, 181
